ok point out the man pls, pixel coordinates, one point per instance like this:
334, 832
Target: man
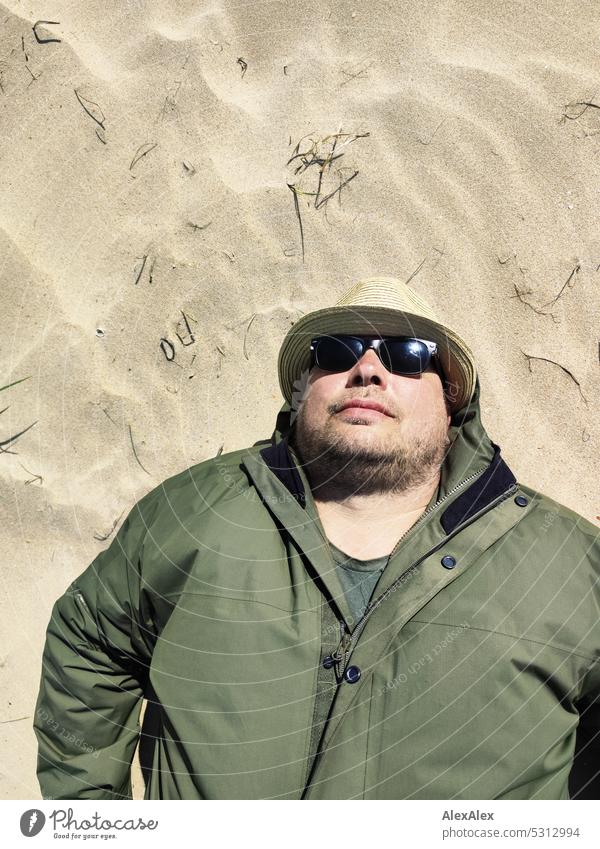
368, 605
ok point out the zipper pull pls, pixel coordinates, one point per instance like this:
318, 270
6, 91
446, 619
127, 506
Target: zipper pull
339, 656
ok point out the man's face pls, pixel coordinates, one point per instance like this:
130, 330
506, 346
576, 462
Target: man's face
363, 451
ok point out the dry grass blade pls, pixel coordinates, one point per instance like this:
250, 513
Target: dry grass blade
320, 153
143, 150
417, 269
135, 454
586, 104
563, 368
335, 192
564, 286
45, 40
34, 478
14, 383
140, 272
14, 438
103, 537
88, 107
11, 439
246, 334
294, 191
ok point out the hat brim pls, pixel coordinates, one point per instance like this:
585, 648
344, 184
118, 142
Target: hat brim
455, 357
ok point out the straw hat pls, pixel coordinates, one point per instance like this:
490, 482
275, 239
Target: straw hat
379, 306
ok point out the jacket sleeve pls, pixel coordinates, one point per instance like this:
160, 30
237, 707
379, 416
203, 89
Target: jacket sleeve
94, 671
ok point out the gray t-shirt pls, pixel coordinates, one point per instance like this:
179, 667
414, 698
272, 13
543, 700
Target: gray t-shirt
358, 578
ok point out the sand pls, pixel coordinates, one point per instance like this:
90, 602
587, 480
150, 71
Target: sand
144, 194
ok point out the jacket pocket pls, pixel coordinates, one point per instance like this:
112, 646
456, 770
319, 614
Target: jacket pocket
235, 679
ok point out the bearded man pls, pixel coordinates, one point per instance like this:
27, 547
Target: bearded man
368, 605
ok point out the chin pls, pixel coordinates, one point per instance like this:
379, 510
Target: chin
361, 434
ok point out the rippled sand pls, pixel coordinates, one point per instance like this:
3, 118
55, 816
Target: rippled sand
143, 177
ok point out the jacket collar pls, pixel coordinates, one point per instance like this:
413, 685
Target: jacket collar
495, 480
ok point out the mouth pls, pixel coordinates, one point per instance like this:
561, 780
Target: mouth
362, 406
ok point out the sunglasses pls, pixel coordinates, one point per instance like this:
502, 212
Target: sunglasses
399, 354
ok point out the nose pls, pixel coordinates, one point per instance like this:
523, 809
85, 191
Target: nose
369, 369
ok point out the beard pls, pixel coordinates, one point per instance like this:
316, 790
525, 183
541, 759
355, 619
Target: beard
337, 466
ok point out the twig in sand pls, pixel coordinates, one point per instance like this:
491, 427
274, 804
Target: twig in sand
88, 105
218, 454
44, 40
103, 537
432, 136
294, 191
587, 104
566, 370
108, 416
142, 151
570, 282
191, 336
198, 226
246, 334
564, 286
34, 77
14, 438
358, 72
243, 65
34, 478
520, 295
135, 452
163, 343
417, 269
18, 719
140, 272
14, 383
220, 365
11, 439
319, 154
332, 194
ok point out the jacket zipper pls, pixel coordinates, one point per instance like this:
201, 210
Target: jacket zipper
348, 640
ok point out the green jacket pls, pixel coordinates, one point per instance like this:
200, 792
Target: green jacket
474, 673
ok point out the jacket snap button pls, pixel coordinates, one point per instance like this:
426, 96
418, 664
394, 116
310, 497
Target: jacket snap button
352, 674
448, 561
521, 501
328, 662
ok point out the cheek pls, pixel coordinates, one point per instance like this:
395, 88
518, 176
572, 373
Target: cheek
322, 391
424, 405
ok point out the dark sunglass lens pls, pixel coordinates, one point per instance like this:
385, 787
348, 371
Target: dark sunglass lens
407, 356
337, 353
